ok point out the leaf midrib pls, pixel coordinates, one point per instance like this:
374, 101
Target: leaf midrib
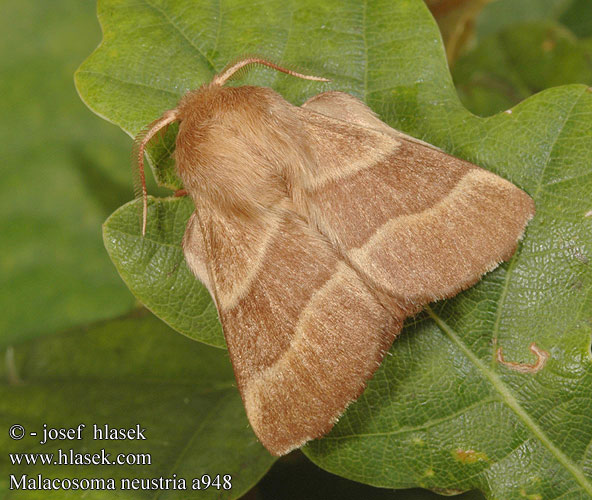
511, 401
182, 33
535, 196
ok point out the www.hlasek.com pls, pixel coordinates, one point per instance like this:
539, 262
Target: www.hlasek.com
70, 457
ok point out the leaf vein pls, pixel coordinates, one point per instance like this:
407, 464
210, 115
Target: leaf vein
541, 176
182, 33
421, 427
127, 82
511, 401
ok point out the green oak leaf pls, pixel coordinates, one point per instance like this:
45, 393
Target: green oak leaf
156, 271
123, 372
62, 174
441, 412
516, 62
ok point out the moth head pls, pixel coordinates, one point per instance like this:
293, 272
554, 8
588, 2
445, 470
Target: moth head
176, 114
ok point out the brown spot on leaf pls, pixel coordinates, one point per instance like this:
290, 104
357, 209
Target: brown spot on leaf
538, 365
470, 456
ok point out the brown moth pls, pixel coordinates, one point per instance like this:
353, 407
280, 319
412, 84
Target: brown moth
317, 230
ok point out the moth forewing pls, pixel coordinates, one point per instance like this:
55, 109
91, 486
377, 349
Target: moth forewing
414, 221
292, 313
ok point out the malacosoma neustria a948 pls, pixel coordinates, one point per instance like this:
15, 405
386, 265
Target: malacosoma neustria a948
317, 230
